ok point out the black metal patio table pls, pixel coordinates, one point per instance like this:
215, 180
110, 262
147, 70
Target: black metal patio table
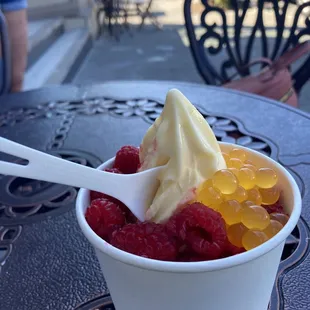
45, 262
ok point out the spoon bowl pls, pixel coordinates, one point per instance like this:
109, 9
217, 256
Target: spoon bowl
136, 192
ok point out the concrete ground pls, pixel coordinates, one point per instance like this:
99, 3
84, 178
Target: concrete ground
164, 54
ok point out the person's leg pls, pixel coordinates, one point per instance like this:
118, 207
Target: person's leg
17, 26
16, 16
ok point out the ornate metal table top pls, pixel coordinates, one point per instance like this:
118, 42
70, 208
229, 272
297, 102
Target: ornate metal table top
45, 262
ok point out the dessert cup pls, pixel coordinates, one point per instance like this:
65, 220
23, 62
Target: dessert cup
239, 282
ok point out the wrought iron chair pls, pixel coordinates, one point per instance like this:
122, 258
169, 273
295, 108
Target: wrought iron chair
113, 15
5, 80
143, 9
235, 50
119, 11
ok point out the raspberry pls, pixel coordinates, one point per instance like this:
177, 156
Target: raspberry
148, 240
203, 229
274, 208
232, 250
130, 218
186, 254
190, 257
95, 195
127, 159
171, 225
104, 217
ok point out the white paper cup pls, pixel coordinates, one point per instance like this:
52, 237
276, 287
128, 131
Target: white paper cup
240, 282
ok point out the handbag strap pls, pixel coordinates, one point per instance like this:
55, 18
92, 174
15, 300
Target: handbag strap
291, 56
261, 60
258, 61
282, 62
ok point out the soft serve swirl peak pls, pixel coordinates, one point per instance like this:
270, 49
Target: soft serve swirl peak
181, 140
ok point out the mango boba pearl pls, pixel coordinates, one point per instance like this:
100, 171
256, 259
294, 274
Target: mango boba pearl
247, 178
255, 196
235, 171
253, 238
255, 217
231, 211
239, 154
247, 203
240, 195
234, 163
226, 156
209, 196
252, 167
269, 195
225, 181
273, 228
280, 217
266, 178
235, 233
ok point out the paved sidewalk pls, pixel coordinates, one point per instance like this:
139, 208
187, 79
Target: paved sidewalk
155, 54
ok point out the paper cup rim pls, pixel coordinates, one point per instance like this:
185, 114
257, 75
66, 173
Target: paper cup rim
192, 267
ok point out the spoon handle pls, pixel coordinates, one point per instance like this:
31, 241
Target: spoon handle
49, 168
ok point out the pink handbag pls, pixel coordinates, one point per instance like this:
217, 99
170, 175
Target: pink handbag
275, 81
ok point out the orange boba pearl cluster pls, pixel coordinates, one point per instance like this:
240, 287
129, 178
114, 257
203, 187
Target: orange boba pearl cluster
240, 193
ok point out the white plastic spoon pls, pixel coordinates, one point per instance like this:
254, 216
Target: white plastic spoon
134, 190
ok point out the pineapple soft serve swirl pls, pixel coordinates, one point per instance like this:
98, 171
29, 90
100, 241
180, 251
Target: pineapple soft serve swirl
183, 141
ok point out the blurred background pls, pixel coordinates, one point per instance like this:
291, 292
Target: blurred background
88, 41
